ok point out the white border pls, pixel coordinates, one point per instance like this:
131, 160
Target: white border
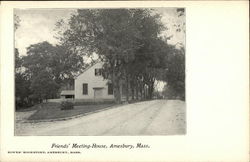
217, 86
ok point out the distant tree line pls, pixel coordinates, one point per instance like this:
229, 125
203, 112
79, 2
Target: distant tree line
128, 41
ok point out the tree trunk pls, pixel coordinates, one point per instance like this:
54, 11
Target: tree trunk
151, 90
127, 88
144, 90
141, 91
132, 91
117, 94
116, 86
137, 91
121, 90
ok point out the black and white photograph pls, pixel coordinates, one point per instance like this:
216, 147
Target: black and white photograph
100, 72
124, 81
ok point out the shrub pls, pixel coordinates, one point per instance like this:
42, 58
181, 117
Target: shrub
67, 105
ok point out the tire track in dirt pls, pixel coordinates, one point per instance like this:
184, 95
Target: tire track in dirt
129, 119
152, 118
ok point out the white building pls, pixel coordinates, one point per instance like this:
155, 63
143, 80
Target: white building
91, 86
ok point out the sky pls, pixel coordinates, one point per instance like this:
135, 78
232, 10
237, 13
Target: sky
37, 25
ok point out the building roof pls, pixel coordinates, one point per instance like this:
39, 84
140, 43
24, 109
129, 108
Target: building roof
95, 62
67, 92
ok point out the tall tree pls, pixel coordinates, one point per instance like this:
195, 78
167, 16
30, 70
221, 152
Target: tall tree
175, 72
60, 62
117, 36
57, 63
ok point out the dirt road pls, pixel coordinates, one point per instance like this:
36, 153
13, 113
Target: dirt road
157, 117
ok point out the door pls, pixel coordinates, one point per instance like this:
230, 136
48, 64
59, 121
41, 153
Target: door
98, 95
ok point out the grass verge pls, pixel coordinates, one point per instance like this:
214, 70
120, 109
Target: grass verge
53, 111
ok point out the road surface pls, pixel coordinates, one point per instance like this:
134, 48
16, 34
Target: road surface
156, 117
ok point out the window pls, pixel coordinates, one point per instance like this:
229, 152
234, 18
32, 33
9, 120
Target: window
110, 88
98, 72
84, 88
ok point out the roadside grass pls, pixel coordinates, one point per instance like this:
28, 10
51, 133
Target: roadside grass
25, 109
53, 111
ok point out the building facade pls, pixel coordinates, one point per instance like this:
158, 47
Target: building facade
91, 86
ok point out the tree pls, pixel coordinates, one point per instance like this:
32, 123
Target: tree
118, 36
175, 72
22, 90
43, 86
60, 62
22, 83
48, 68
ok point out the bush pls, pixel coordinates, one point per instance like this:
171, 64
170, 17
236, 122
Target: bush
67, 105
21, 105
